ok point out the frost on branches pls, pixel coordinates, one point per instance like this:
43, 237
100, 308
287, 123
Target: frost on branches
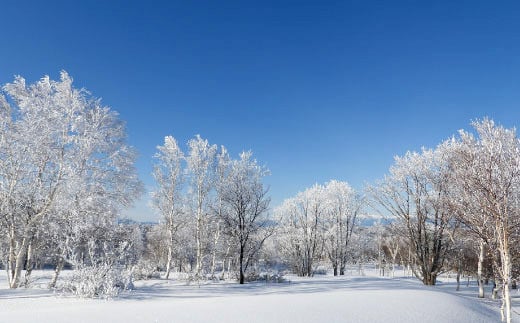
487, 174
219, 201
416, 194
65, 172
462, 197
318, 222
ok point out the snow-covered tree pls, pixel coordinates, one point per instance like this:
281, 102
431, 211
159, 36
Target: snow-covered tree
245, 205
222, 171
167, 199
416, 194
340, 218
317, 223
487, 168
201, 160
302, 237
63, 156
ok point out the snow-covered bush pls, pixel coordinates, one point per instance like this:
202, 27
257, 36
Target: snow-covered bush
145, 270
268, 277
98, 281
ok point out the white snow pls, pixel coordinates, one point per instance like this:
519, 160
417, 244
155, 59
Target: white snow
318, 299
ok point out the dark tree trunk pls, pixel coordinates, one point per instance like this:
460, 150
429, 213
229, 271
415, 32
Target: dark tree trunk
429, 279
241, 265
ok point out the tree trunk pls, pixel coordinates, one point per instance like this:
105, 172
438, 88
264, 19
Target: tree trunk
458, 277
14, 279
506, 277
241, 265
28, 265
57, 271
479, 270
229, 268
214, 254
429, 279
198, 266
506, 299
224, 262
169, 261
16, 262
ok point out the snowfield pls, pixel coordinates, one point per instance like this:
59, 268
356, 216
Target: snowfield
318, 299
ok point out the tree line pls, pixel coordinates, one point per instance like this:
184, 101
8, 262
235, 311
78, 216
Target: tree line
67, 171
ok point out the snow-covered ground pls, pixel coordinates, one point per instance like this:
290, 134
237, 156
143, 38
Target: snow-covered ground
318, 299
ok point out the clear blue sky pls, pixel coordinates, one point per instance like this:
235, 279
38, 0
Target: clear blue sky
317, 90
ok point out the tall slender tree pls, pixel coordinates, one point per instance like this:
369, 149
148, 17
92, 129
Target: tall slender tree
167, 199
201, 161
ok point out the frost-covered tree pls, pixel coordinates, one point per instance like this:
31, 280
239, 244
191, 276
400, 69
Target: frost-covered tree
392, 243
222, 172
487, 168
302, 237
319, 223
340, 218
245, 205
167, 199
63, 155
416, 193
201, 160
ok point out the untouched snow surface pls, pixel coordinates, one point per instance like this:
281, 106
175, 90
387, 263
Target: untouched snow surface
319, 299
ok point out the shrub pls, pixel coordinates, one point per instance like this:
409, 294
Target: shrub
98, 281
145, 270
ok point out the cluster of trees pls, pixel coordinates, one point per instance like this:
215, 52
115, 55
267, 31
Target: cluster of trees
214, 208
462, 196
66, 172
318, 223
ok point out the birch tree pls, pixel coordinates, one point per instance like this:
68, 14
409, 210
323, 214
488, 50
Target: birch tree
167, 197
222, 173
488, 173
201, 160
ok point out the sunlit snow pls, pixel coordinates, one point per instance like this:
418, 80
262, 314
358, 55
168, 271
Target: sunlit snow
320, 299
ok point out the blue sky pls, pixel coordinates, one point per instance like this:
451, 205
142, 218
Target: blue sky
317, 90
